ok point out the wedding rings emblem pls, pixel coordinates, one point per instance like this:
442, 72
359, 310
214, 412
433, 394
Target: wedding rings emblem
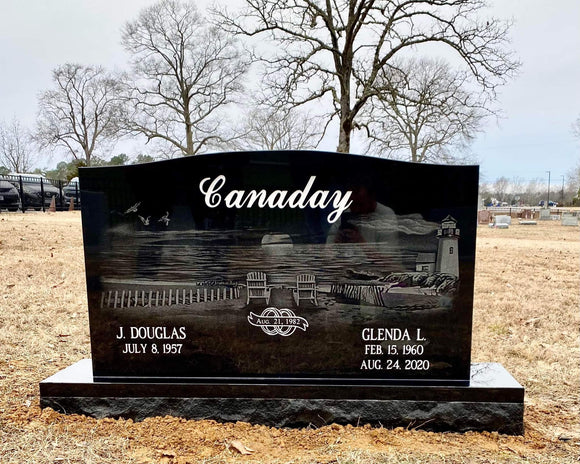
274, 321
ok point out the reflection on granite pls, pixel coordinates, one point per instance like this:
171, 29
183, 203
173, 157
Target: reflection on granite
492, 375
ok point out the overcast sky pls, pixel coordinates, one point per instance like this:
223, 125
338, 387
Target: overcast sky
539, 106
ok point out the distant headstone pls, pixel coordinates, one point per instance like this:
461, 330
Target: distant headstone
545, 215
502, 225
528, 223
484, 217
569, 220
528, 214
284, 288
502, 219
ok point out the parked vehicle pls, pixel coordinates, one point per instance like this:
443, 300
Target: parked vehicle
33, 188
550, 204
9, 197
72, 191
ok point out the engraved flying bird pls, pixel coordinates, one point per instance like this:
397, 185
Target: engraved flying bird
133, 209
164, 219
145, 221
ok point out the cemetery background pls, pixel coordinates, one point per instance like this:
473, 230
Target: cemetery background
525, 317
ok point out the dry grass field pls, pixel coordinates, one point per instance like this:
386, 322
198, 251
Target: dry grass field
526, 316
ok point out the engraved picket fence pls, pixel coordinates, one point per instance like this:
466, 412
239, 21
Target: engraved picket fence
153, 298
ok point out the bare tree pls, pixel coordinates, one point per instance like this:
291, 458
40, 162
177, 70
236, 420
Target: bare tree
423, 112
517, 189
186, 73
573, 175
82, 113
484, 188
270, 129
500, 188
16, 151
573, 181
576, 128
533, 192
338, 48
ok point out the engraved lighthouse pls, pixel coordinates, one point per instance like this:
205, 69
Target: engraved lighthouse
448, 249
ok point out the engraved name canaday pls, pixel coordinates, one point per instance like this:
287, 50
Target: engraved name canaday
276, 199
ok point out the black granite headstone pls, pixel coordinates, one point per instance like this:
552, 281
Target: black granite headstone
280, 275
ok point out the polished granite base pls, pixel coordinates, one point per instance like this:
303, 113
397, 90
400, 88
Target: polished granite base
494, 401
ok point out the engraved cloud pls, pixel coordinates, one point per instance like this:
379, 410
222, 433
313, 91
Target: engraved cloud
410, 224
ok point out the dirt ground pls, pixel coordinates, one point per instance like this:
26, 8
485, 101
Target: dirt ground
526, 316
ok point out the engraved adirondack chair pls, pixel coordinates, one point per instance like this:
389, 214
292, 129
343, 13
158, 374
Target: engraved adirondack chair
256, 287
305, 289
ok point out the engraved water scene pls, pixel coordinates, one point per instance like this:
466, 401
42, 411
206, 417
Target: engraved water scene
378, 260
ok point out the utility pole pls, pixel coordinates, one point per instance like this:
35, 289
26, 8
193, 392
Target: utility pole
562, 200
548, 204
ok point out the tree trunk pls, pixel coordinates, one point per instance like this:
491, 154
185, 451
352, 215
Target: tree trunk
345, 116
189, 139
188, 126
344, 135
188, 134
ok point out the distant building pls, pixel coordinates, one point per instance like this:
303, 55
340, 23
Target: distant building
426, 262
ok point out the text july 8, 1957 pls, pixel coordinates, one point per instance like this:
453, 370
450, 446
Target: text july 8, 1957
151, 339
